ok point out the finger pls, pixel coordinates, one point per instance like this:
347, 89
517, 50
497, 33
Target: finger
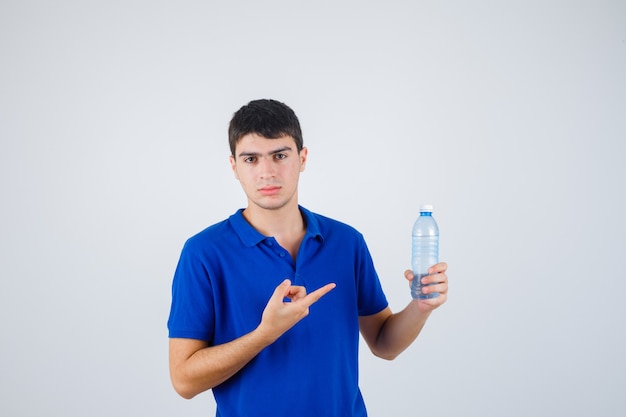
435, 278
440, 288
435, 302
438, 268
282, 290
296, 292
317, 294
408, 274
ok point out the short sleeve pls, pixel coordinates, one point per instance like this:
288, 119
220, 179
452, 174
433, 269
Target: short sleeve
192, 313
371, 298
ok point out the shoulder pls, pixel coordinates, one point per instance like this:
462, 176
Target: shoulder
215, 230
334, 224
208, 236
327, 226
231, 234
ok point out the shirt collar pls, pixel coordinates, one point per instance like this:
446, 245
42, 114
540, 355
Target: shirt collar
312, 224
251, 237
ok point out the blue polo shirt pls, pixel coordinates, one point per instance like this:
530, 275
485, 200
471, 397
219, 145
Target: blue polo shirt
224, 278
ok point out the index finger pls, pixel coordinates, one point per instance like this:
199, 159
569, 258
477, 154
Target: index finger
438, 268
317, 294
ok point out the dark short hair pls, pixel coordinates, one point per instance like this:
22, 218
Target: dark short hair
268, 118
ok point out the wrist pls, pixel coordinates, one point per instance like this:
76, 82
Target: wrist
264, 335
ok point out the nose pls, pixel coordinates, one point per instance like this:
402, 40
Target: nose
266, 167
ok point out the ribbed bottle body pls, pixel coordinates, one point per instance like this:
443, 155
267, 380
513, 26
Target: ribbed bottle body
425, 250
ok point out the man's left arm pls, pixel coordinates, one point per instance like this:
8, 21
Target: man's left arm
388, 334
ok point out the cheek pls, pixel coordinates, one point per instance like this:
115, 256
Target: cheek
246, 177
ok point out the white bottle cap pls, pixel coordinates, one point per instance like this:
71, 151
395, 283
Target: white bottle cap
426, 208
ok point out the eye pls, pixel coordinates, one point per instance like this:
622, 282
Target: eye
280, 156
249, 159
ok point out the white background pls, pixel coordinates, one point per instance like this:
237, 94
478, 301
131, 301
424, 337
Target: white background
509, 117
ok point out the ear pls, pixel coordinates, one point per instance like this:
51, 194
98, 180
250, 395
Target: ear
304, 153
233, 166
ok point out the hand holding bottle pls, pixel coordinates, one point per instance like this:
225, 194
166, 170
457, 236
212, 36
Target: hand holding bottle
436, 282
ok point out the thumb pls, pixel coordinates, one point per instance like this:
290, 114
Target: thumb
283, 289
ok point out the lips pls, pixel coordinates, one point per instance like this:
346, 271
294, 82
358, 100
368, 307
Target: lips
269, 190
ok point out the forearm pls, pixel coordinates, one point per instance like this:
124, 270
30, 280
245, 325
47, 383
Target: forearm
210, 366
400, 330
389, 334
196, 367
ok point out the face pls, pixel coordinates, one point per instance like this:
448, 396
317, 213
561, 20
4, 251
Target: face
268, 170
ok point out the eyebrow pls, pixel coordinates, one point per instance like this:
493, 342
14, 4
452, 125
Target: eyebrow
274, 152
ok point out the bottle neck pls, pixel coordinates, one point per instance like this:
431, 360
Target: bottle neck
426, 213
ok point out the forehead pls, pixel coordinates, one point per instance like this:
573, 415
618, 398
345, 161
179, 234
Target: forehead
255, 143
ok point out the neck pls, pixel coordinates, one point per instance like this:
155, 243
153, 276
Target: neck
285, 224
277, 222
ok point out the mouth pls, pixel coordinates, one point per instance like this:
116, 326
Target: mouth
269, 190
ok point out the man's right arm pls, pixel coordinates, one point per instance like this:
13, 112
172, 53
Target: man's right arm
196, 367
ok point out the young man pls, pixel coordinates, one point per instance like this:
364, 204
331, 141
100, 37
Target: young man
267, 305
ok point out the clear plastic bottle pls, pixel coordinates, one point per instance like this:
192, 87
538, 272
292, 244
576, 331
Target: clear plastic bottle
425, 250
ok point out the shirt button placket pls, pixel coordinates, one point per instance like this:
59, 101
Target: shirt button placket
275, 247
